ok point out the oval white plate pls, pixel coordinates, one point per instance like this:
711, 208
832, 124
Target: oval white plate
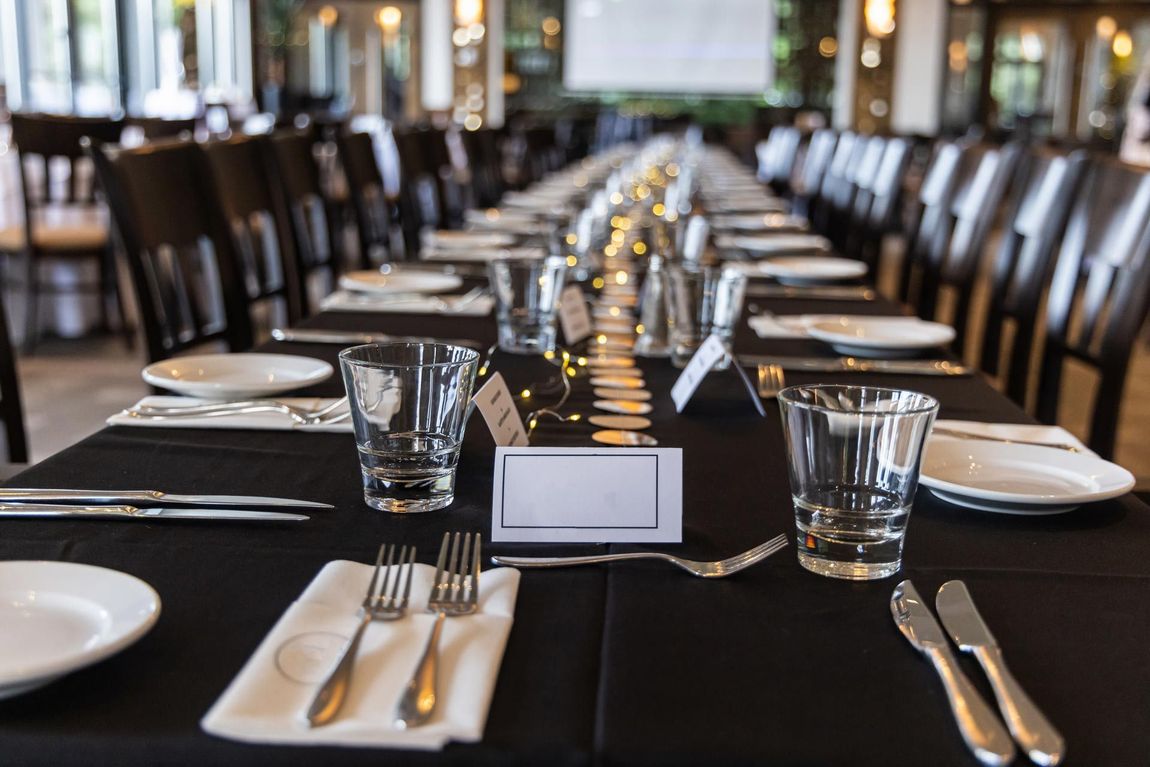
56, 617
231, 376
812, 270
885, 336
466, 239
396, 281
769, 222
1021, 475
771, 244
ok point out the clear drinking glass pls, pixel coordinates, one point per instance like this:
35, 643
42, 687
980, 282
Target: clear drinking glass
409, 405
854, 454
705, 300
526, 301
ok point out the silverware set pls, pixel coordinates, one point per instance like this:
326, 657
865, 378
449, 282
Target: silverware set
347, 338
960, 434
454, 593
855, 365
28, 503
334, 412
980, 728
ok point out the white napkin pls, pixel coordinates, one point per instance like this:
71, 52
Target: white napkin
482, 254
267, 701
1020, 431
270, 421
461, 240
776, 243
347, 301
772, 326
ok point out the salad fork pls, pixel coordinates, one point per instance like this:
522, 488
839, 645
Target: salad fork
718, 569
389, 603
455, 593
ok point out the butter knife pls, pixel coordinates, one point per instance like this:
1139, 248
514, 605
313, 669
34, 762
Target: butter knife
317, 336
43, 495
53, 510
1038, 738
855, 365
980, 728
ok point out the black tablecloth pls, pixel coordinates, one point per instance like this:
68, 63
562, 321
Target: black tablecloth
629, 664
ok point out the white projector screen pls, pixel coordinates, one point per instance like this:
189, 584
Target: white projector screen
669, 46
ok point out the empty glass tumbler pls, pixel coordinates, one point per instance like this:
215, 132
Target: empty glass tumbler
854, 454
409, 406
705, 300
526, 294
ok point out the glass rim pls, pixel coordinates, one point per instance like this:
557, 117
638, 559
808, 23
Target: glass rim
787, 396
346, 355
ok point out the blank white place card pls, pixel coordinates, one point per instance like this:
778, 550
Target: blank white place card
705, 357
588, 495
573, 315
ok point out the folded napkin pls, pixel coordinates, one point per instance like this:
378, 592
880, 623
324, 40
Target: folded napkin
772, 326
347, 301
270, 421
267, 702
461, 240
482, 254
1055, 435
776, 243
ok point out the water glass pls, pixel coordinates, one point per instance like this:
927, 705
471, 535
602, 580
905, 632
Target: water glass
409, 406
526, 294
705, 300
854, 454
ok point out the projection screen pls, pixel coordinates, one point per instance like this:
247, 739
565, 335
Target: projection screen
669, 46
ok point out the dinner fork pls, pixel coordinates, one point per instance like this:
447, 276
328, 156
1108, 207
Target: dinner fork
718, 569
959, 434
771, 380
389, 603
300, 415
455, 593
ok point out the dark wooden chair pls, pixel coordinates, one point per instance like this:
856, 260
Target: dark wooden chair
777, 155
855, 192
836, 191
1022, 265
420, 205
242, 176
159, 127
11, 408
808, 175
957, 251
878, 204
375, 211
187, 278
485, 164
311, 217
1099, 294
926, 229
62, 217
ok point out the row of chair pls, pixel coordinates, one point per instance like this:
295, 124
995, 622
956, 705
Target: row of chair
1069, 279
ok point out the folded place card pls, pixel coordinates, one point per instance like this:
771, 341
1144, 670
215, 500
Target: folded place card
573, 315
708, 353
497, 407
588, 495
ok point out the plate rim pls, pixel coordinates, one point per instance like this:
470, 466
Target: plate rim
325, 371
832, 337
59, 668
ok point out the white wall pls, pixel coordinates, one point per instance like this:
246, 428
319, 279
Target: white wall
846, 64
919, 58
437, 75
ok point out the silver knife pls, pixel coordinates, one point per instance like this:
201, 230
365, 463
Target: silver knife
43, 495
317, 336
829, 293
1038, 738
42, 510
855, 365
980, 728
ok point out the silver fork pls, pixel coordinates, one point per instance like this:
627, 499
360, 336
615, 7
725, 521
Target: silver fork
771, 380
958, 433
304, 416
388, 603
718, 569
455, 593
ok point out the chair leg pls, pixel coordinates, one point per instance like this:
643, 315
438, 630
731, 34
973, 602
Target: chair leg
31, 303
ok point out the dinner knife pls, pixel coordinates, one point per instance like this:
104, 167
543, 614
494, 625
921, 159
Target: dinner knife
855, 365
43, 495
980, 728
56, 510
1038, 738
317, 336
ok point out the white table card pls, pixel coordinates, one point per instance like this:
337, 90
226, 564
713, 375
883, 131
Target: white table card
574, 317
588, 495
497, 406
708, 353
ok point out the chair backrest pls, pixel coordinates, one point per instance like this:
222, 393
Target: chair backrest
53, 168
485, 164
242, 177
979, 192
886, 189
777, 154
820, 149
927, 228
11, 409
880, 180
1100, 292
308, 212
158, 127
187, 278
374, 212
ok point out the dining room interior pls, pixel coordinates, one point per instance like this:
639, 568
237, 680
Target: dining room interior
312, 312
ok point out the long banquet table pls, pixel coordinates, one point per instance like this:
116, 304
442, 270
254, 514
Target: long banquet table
630, 664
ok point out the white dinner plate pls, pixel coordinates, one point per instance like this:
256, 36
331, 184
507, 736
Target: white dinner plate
57, 617
879, 336
399, 281
812, 270
463, 240
483, 255
780, 244
236, 376
767, 222
1019, 479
